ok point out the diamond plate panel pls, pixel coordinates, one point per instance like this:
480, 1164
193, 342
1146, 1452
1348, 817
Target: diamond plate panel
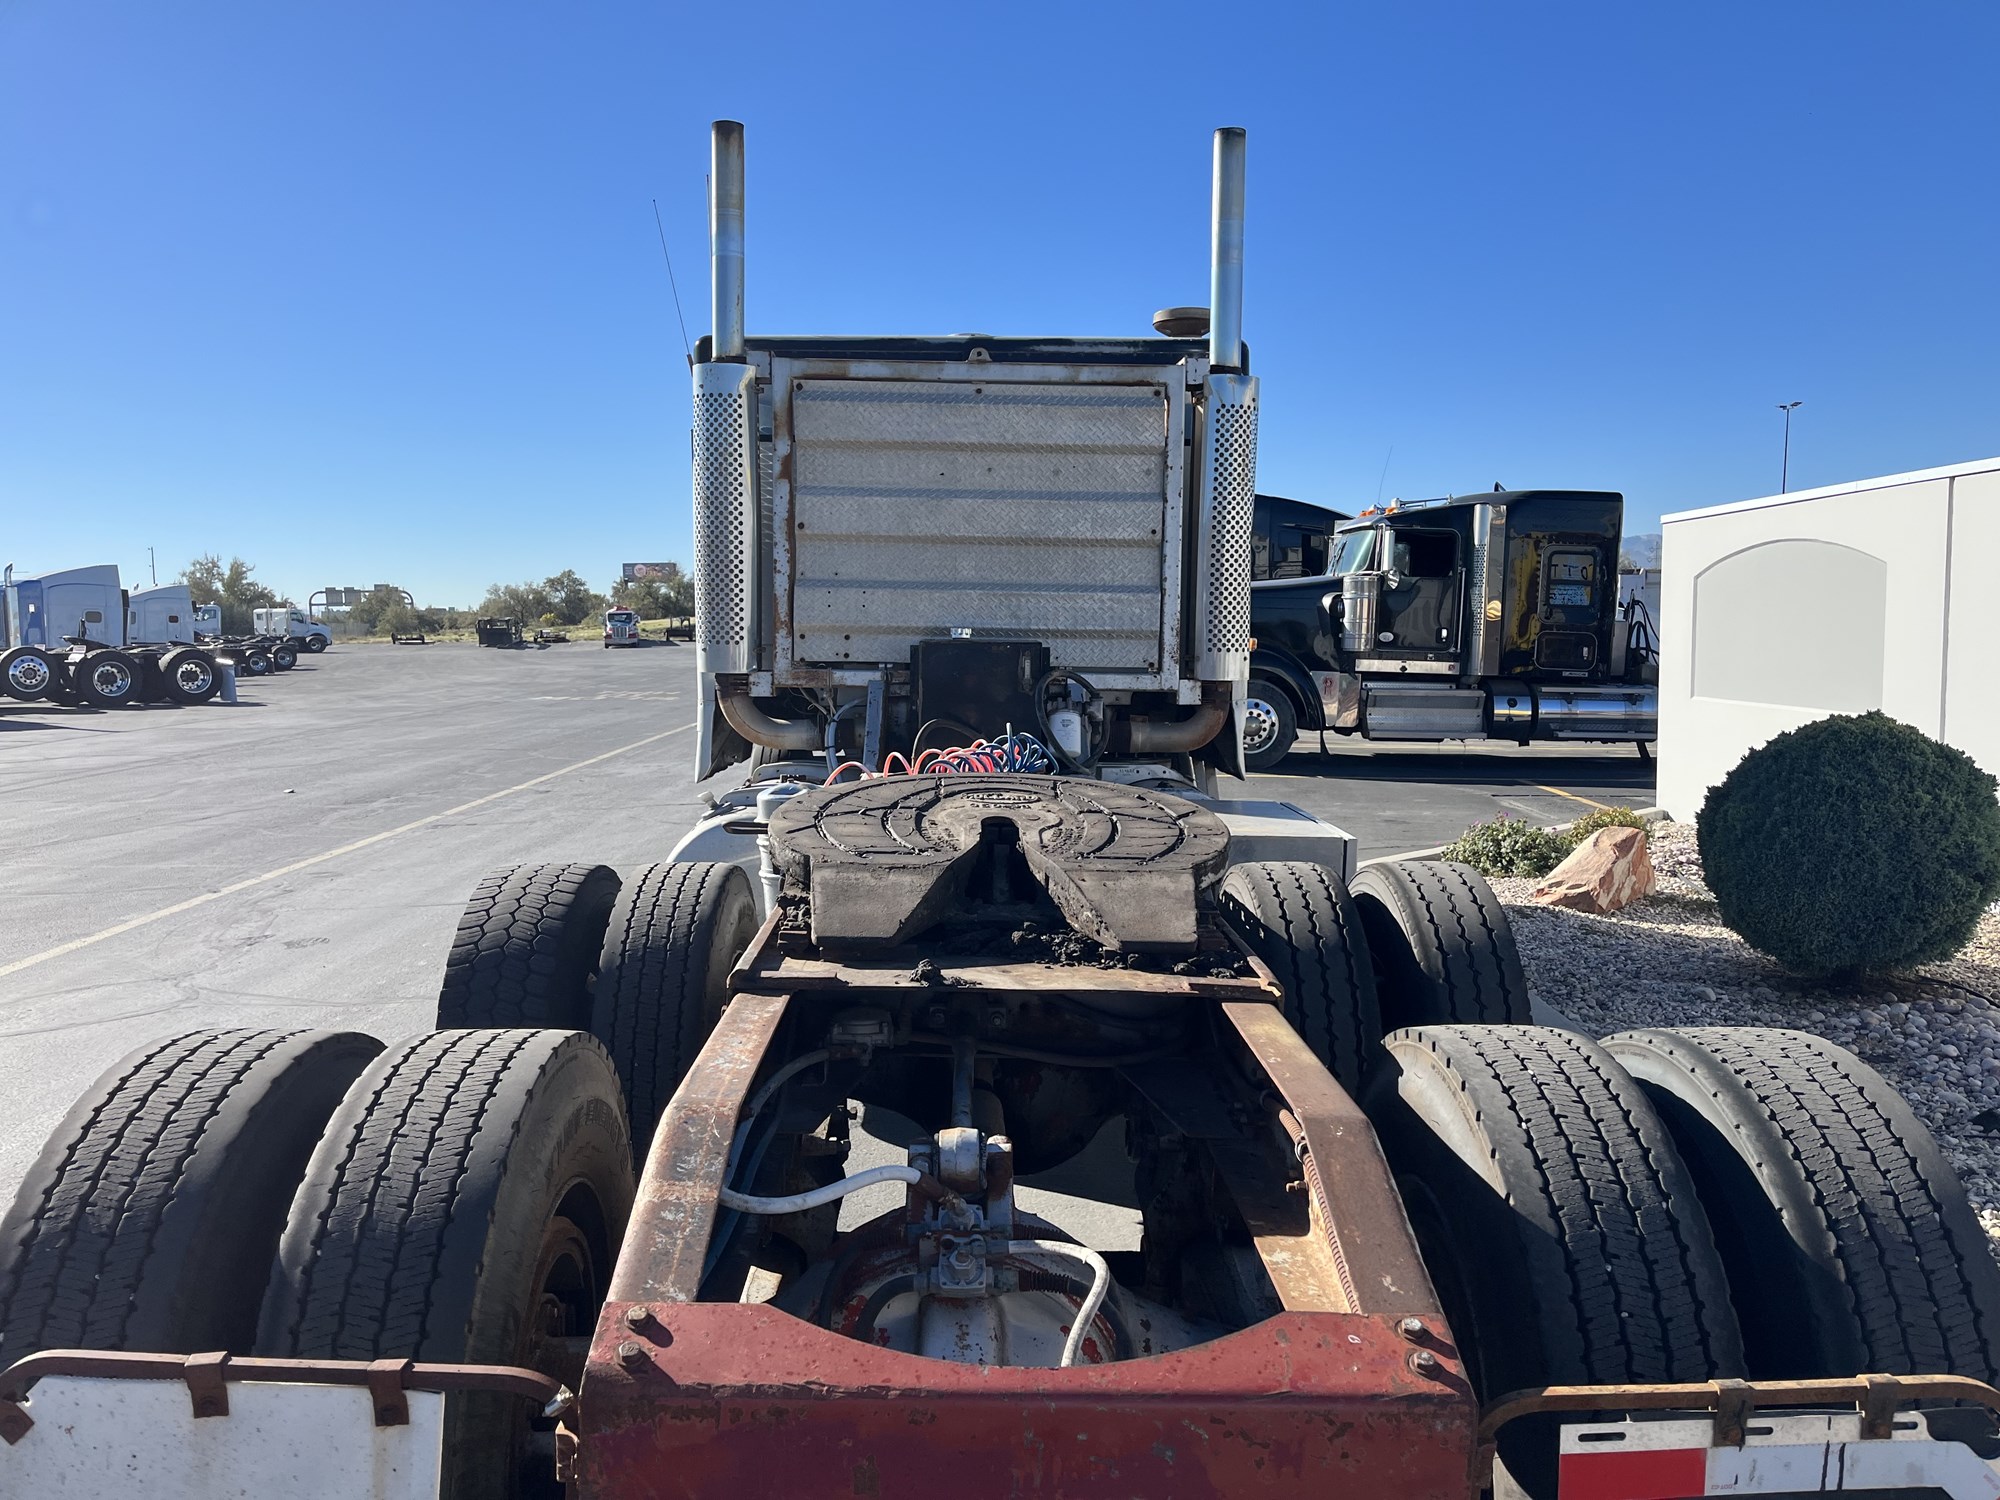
1031, 510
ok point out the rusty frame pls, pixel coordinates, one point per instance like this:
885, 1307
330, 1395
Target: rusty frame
708, 1399
666, 1238
1356, 1384
766, 969
207, 1377
1367, 1239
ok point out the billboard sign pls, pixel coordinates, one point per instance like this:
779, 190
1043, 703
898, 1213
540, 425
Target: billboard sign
646, 570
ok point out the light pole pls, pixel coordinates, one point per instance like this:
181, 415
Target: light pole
1785, 470
152, 563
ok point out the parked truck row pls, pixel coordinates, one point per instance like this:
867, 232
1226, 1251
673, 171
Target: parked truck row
78, 638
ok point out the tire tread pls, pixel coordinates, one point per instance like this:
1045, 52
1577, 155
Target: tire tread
1300, 922
1913, 1264
524, 947
1459, 938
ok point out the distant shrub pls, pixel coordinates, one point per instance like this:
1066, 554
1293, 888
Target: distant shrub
1855, 844
1604, 817
1509, 846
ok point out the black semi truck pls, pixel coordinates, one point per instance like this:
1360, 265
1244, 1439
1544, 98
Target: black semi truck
1491, 616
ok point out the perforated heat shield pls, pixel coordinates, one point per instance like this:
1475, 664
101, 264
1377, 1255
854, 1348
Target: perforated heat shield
1222, 546
725, 510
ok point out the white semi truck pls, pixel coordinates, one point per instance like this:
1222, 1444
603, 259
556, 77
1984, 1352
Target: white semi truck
621, 628
77, 637
289, 621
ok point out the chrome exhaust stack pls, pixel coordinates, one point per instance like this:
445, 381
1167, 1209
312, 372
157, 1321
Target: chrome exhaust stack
1228, 452
725, 239
726, 585
1225, 255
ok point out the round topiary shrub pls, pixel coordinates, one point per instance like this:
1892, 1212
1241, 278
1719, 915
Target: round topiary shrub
1854, 844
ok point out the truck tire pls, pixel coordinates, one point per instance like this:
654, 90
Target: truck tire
1299, 919
284, 656
109, 679
1270, 724
257, 662
674, 935
1563, 1232
316, 644
1844, 1230
190, 675
464, 1205
149, 1221
26, 673
1441, 944
526, 949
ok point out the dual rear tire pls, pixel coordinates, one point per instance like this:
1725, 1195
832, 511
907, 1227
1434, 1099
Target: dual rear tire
108, 679
1412, 943
1677, 1207
641, 964
457, 1199
464, 1205
1659, 1207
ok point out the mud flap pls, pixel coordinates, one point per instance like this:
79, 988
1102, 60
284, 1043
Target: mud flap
717, 745
91, 1437
1225, 751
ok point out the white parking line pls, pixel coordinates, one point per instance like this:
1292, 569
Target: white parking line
319, 859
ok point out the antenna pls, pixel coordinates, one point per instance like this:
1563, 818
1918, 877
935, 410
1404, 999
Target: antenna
657, 224
1384, 479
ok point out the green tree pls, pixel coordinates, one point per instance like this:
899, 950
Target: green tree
671, 594
526, 602
231, 586
562, 599
571, 600
382, 610
645, 597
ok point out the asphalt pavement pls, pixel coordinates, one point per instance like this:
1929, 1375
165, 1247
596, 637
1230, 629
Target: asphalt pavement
301, 858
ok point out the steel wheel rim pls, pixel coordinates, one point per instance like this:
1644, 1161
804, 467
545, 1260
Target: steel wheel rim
110, 679
29, 675
193, 677
1260, 726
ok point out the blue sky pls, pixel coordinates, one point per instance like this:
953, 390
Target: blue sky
372, 293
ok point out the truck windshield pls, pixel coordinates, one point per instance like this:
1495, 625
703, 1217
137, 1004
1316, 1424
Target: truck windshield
1354, 550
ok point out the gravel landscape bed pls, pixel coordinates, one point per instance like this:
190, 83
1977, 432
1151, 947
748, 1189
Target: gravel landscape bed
1669, 961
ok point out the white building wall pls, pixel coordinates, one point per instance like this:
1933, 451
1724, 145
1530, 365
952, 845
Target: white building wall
1780, 611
